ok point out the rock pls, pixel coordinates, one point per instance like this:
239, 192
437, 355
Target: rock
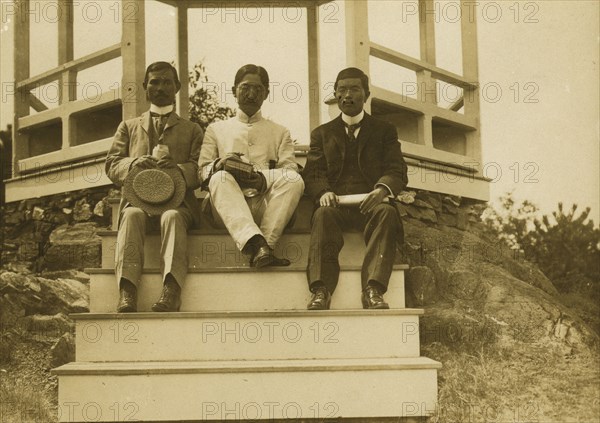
67, 274
428, 215
449, 208
75, 246
447, 219
38, 213
401, 209
420, 283
452, 200
464, 285
82, 211
14, 218
44, 296
432, 198
462, 220
406, 197
63, 351
81, 305
47, 326
422, 204
99, 209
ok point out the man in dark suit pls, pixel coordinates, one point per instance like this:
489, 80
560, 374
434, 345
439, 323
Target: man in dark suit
353, 154
132, 147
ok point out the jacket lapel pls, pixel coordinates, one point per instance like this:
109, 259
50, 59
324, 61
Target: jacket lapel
339, 135
364, 134
145, 122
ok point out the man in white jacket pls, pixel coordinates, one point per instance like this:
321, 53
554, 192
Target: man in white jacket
256, 223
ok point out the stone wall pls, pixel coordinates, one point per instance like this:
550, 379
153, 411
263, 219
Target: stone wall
59, 231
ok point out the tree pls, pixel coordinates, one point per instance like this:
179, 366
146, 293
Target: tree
565, 246
204, 105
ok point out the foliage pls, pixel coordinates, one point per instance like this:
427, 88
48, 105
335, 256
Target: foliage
565, 246
204, 105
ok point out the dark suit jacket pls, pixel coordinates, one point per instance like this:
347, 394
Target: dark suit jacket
132, 140
379, 156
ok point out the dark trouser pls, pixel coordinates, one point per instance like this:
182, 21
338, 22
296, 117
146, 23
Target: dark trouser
380, 229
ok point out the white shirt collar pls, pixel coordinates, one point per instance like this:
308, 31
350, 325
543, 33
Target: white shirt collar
243, 117
353, 120
161, 110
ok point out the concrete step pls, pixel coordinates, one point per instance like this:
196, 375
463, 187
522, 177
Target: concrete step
247, 390
247, 335
215, 248
241, 289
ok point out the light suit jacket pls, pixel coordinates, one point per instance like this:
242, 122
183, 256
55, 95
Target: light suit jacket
132, 140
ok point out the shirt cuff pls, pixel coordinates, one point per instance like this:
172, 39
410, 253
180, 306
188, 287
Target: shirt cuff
390, 192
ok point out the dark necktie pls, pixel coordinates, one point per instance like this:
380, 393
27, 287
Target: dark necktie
159, 121
351, 130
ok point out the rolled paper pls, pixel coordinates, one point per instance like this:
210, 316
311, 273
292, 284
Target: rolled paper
354, 200
351, 200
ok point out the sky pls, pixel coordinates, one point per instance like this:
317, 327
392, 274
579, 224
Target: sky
538, 68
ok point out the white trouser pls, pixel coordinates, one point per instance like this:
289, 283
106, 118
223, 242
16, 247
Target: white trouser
266, 214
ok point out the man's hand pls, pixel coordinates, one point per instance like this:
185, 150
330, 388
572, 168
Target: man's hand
373, 199
166, 163
145, 162
329, 199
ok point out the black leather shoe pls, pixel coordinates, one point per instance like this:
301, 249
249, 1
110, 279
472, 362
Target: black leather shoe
265, 256
127, 300
170, 299
372, 298
321, 299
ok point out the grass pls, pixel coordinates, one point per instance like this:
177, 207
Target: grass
20, 404
516, 382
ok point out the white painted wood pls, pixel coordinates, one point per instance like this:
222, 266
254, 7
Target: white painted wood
247, 390
219, 250
292, 335
239, 289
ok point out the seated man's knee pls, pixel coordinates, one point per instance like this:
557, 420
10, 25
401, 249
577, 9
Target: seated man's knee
133, 215
171, 217
218, 178
324, 214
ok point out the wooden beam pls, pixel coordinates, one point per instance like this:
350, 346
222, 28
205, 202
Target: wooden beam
437, 113
62, 158
417, 65
212, 4
77, 65
65, 110
357, 37
457, 105
471, 71
68, 79
21, 72
133, 51
36, 104
314, 84
183, 61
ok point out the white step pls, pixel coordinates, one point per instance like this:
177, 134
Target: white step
248, 335
247, 390
210, 249
241, 289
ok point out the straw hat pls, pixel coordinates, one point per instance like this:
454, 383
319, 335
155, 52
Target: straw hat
154, 190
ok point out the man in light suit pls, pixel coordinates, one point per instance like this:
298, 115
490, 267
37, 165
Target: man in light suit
256, 223
353, 154
132, 147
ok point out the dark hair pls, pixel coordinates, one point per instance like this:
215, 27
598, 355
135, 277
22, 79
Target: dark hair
353, 73
254, 70
158, 66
